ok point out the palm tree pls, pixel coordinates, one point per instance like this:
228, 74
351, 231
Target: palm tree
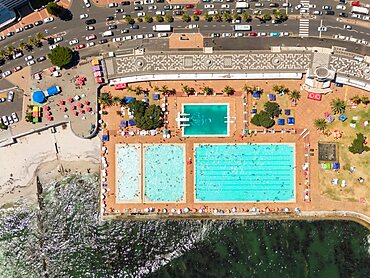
105, 99
22, 45
207, 17
247, 89
365, 100
294, 96
164, 89
2, 53
356, 100
156, 89
207, 90
39, 36
227, 17
10, 50
228, 90
247, 17
138, 90
266, 17
320, 124
217, 17
130, 89
338, 106
187, 90
275, 88
116, 100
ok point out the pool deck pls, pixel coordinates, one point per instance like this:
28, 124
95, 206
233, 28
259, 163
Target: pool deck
305, 138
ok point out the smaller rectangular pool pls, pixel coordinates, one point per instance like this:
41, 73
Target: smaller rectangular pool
164, 172
205, 119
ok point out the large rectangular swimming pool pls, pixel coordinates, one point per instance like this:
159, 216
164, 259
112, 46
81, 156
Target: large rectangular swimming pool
164, 172
243, 172
206, 119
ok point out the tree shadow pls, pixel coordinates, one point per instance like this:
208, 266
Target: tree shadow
75, 60
66, 15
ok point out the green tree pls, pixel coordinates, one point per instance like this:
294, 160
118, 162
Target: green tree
247, 89
186, 18
272, 108
227, 17
2, 54
60, 56
217, 17
188, 90
168, 18
266, 17
116, 100
10, 49
146, 117
237, 17
247, 17
295, 96
159, 18
2, 126
22, 45
129, 20
338, 106
28, 117
358, 145
54, 9
207, 90
208, 17
164, 89
263, 119
320, 124
228, 90
106, 99
39, 36
356, 100
196, 17
365, 100
139, 19
148, 19
138, 90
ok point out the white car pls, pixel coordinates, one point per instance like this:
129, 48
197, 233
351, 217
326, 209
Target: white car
153, 7
116, 39
10, 96
322, 29
18, 30
113, 5
90, 28
73, 42
160, 13
149, 35
5, 120
312, 6
284, 34
298, 7
224, 35
366, 17
10, 119
148, 2
28, 58
49, 19
193, 26
225, 6
58, 39
90, 44
258, 5
317, 12
348, 27
261, 34
162, 35
209, 6
6, 73
32, 62
83, 16
15, 117
287, 5
140, 14
238, 35
340, 7
138, 2
138, 37
128, 38
51, 47
356, 16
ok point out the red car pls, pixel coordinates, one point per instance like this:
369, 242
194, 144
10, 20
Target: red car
189, 6
252, 34
356, 3
80, 46
198, 12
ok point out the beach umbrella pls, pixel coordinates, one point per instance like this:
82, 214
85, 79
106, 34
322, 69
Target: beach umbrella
73, 107
88, 109
87, 102
64, 109
77, 97
61, 102
50, 118
66, 116
80, 105
70, 100
173, 210
82, 111
45, 108
75, 113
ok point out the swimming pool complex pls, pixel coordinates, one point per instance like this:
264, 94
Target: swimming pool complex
128, 171
164, 172
243, 172
205, 119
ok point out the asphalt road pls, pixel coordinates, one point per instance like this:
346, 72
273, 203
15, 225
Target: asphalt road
75, 28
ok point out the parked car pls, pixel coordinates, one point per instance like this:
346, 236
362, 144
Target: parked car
274, 34
30, 63
125, 3
80, 46
113, 5
17, 68
83, 16
18, 30
124, 31
252, 34
10, 96
348, 27
58, 39
15, 117
90, 37
343, 14
51, 47
28, 58
329, 13
356, 3
197, 12
103, 41
2, 38
112, 27
10, 120
326, 8
109, 18
73, 41
90, 21
37, 23
189, 6
41, 58
90, 44
5, 120
209, 6
10, 34
49, 19
119, 11
90, 28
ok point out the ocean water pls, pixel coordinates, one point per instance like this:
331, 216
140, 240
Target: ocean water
66, 239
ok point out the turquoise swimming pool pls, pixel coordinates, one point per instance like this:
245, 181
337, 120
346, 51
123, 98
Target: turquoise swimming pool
164, 173
241, 172
128, 171
206, 120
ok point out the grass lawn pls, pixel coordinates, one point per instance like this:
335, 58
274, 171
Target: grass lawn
354, 190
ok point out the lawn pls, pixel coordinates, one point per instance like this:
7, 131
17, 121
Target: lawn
354, 191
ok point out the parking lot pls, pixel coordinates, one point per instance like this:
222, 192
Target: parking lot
7, 108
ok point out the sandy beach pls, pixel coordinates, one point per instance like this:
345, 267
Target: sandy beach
48, 155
